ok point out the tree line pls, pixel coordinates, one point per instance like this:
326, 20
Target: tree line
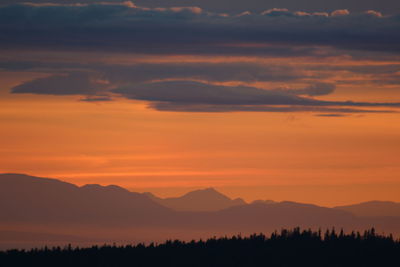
292, 248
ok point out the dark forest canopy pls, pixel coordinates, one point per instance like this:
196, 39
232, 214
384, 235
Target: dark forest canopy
288, 248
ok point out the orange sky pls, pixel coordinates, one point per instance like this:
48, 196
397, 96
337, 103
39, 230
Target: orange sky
255, 155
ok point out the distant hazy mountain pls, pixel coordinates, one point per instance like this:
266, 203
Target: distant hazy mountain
32, 208
30, 199
207, 199
373, 208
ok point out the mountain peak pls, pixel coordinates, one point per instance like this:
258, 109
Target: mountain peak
207, 199
210, 189
206, 192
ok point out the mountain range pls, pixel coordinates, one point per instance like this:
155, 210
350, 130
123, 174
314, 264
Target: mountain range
38, 211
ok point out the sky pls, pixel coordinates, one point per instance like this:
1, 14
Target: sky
298, 102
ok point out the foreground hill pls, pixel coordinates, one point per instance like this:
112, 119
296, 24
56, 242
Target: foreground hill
207, 199
40, 211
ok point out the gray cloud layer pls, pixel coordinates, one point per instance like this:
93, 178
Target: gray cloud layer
237, 6
191, 31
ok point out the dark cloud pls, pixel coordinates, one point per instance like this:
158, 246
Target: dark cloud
233, 71
69, 84
238, 6
316, 89
117, 74
196, 96
191, 92
93, 79
96, 99
379, 74
332, 115
186, 95
191, 31
174, 107
187, 86
140, 72
375, 69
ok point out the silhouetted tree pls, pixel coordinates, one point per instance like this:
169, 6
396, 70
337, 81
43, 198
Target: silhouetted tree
294, 247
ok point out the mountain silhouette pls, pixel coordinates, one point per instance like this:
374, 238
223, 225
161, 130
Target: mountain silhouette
34, 207
207, 199
260, 201
25, 198
373, 208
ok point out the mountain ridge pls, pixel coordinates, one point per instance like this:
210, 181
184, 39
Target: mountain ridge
197, 196
95, 212
373, 208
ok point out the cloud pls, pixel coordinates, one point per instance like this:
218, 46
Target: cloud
316, 89
96, 99
255, 6
122, 28
189, 95
191, 92
373, 69
377, 74
340, 12
82, 78
276, 12
186, 86
174, 107
374, 13
196, 96
192, 86
242, 71
69, 84
217, 72
331, 115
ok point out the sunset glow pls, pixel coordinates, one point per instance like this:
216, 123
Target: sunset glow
275, 123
